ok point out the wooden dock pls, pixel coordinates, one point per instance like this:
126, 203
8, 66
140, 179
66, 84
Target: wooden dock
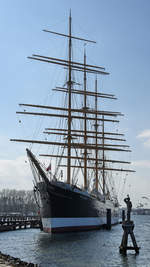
9, 223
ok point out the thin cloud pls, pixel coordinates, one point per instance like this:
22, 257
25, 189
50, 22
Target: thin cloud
141, 163
147, 143
15, 173
144, 134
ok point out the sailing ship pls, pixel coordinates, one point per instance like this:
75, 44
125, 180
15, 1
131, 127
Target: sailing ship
66, 203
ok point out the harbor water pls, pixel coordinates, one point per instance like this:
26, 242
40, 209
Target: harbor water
98, 248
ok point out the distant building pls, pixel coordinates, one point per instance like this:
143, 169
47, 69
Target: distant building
141, 211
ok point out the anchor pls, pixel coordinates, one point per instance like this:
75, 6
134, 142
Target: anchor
128, 227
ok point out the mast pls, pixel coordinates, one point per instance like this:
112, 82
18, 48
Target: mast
96, 139
69, 105
85, 126
103, 158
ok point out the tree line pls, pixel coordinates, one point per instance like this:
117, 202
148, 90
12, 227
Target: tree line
18, 201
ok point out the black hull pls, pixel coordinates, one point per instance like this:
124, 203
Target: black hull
66, 208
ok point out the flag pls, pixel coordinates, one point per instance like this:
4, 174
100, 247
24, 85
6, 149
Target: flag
49, 167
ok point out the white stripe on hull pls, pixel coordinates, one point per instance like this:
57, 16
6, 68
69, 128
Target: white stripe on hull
72, 223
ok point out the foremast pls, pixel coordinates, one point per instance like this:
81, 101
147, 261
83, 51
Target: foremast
85, 126
69, 105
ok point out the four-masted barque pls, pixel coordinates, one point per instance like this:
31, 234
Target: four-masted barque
83, 148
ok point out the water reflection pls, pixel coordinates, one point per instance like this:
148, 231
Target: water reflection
129, 260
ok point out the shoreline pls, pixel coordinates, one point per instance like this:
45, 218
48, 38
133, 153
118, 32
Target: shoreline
9, 261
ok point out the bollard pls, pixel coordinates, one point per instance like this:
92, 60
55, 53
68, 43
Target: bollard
108, 219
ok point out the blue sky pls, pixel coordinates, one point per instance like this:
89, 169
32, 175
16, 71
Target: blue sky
121, 29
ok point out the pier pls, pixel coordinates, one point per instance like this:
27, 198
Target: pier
9, 223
